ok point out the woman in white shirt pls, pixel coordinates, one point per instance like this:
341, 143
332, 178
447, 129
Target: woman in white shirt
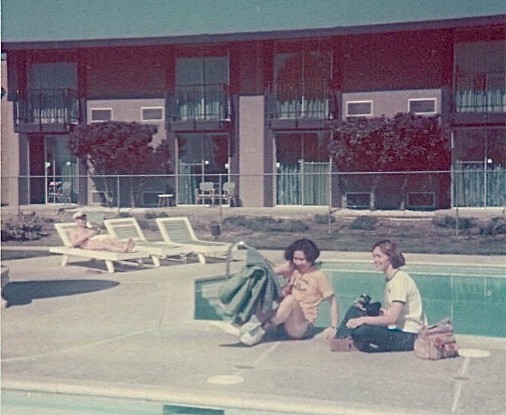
396, 327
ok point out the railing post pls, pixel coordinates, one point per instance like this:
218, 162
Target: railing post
118, 193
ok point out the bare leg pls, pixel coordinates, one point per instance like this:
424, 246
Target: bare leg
290, 313
108, 244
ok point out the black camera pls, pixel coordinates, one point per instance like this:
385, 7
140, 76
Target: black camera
363, 303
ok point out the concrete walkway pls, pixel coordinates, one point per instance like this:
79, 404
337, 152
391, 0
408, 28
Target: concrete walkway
131, 336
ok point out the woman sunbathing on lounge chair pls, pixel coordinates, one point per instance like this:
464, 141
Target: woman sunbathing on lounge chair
88, 238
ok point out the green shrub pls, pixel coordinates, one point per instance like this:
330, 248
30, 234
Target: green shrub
22, 228
494, 227
293, 225
151, 214
444, 221
266, 224
236, 221
364, 223
124, 215
449, 222
324, 219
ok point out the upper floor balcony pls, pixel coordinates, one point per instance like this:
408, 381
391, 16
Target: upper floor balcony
199, 106
479, 97
483, 92
46, 110
301, 103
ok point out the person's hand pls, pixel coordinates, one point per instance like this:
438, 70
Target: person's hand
91, 233
286, 290
285, 269
353, 323
329, 333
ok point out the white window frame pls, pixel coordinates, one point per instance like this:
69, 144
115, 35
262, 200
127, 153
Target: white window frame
153, 120
100, 109
434, 100
358, 206
359, 102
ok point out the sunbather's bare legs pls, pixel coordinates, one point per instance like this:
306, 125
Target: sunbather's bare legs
109, 244
290, 313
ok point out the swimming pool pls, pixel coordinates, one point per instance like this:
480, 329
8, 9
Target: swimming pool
474, 297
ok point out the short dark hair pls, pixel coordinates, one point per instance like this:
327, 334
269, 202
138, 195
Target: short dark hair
390, 249
307, 246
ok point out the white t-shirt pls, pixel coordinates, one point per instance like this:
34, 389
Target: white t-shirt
402, 288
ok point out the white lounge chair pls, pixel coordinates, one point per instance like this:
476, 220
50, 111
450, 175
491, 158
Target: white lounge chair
178, 230
125, 228
68, 251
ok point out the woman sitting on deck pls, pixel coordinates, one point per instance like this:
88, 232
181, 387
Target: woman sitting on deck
396, 326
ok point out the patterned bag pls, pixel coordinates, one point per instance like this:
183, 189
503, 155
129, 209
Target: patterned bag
436, 341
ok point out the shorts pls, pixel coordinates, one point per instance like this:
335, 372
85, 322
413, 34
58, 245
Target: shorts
308, 334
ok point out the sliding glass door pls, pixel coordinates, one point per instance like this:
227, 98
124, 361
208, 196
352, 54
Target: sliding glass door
201, 158
303, 169
479, 167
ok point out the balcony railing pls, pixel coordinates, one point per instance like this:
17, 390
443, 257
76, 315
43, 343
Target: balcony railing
209, 102
47, 106
311, 99
483, 92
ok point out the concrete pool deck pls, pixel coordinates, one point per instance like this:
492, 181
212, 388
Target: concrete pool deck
131, 335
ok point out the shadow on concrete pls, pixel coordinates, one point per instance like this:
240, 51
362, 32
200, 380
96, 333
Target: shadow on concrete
272, 337
23, 292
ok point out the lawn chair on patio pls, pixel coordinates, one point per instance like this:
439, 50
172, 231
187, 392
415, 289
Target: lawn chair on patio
205, 192
67, 250
228, 194
178, 230
126, 228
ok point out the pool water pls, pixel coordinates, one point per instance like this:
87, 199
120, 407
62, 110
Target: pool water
474, 297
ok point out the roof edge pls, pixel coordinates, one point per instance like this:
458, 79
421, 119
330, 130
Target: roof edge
454, 23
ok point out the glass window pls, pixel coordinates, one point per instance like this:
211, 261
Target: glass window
358, 108
202, 158
302, 74
422, 106
201, 87
479, 167
101, 114
152, 114
480, 76
54, 75
51, 97
302, 163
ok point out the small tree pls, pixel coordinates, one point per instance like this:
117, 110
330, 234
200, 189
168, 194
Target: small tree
406, 142
120, 148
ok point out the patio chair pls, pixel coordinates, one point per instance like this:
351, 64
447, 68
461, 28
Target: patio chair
178, 230
205, 192
68, 251
66, 192
228, 193
126, 228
